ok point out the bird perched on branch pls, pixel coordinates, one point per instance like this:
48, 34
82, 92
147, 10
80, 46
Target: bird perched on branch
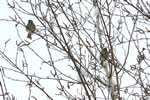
104, 55
30, 28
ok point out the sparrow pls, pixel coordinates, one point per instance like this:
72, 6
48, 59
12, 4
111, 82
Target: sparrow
104, 54
30, 28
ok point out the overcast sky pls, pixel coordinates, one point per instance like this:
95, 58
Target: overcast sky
9, 34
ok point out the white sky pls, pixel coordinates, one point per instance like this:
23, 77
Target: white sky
19, 89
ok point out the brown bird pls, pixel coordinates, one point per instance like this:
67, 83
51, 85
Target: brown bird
30, 28
104, 54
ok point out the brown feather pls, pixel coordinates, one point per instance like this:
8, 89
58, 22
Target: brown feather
29, 36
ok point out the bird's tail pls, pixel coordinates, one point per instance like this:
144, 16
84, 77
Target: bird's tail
29, 36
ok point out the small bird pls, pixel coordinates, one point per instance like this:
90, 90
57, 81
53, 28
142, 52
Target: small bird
104, 54
30, 28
